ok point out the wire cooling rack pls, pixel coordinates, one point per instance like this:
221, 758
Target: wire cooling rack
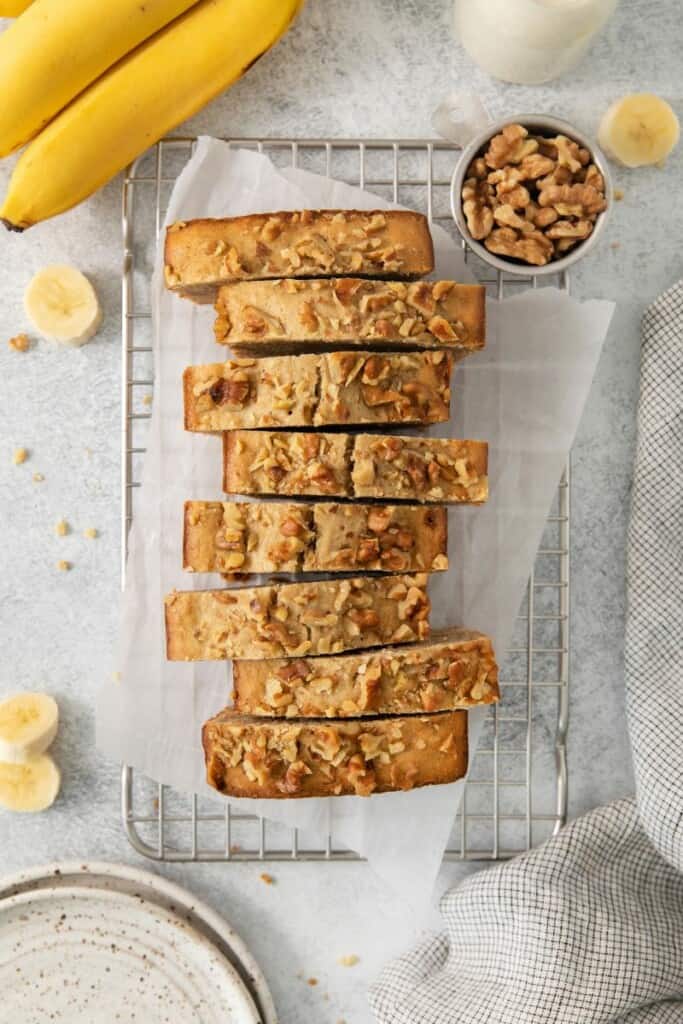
516, 793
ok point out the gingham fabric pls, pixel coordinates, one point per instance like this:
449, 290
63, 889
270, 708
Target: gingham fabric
654, 635
588, 928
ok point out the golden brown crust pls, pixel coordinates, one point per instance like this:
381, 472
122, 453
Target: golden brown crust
377, 466
293, 619
456, 668
335, 389
264, 317
201, 255
268, 537
275, 759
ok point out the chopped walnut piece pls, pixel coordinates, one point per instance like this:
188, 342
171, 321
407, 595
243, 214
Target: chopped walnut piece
266, 878
578, 229
476, 207
510, 146
62, 528
20, 455
349, 961
19, 343
64, 566
532, 248
578, 200
90, 533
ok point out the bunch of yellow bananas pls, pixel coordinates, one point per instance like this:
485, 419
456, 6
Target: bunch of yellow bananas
89, 91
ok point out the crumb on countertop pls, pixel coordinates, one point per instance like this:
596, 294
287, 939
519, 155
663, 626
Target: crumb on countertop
62, 528
38, 478
615, 245
20, 455
147, 400
268, 879
64, 566
91, 533
312, 982
19, 343
618, 194
349, 961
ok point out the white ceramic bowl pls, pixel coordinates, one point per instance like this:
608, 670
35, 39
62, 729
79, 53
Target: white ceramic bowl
542, 124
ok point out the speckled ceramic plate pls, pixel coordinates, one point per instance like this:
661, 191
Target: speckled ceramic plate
180, 948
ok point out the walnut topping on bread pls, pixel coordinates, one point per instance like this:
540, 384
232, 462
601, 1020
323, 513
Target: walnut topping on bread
267, 317
260, 537
337, 388
456, 668
295, 619
259, 758
201, 255
377, 466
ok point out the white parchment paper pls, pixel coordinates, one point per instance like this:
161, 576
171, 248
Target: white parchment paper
524, 394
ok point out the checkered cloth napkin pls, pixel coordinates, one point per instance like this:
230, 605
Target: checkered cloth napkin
588, 928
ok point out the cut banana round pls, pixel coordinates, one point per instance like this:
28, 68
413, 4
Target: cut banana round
29, 787
62, 305
28, 725
639, 130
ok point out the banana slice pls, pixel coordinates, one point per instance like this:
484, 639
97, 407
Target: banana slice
29, 787
639, 130
62, 305
28, 725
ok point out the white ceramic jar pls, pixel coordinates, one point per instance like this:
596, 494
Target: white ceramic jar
529, 41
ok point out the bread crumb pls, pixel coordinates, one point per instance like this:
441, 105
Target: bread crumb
38, 478
268, 879
62, 528
64, 566
20, 455
312, 982
19, 343
91, 533
147, 400
615, 245
618, 194
235, 847
348, 961
116, 676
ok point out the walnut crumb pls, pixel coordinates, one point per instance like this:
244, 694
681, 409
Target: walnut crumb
266, 878
64, 566
349, 961
312, 982
618, 194
38, 478
62, 528
91, 533
19, 343
20, 455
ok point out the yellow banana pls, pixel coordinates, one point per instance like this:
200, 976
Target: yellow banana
148, 93
57, 48
12, 8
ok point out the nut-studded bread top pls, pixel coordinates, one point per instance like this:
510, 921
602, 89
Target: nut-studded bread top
259, 758
268, 537
292, 619
453, 669
201, 255
261, 317
376, 466
334, 389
